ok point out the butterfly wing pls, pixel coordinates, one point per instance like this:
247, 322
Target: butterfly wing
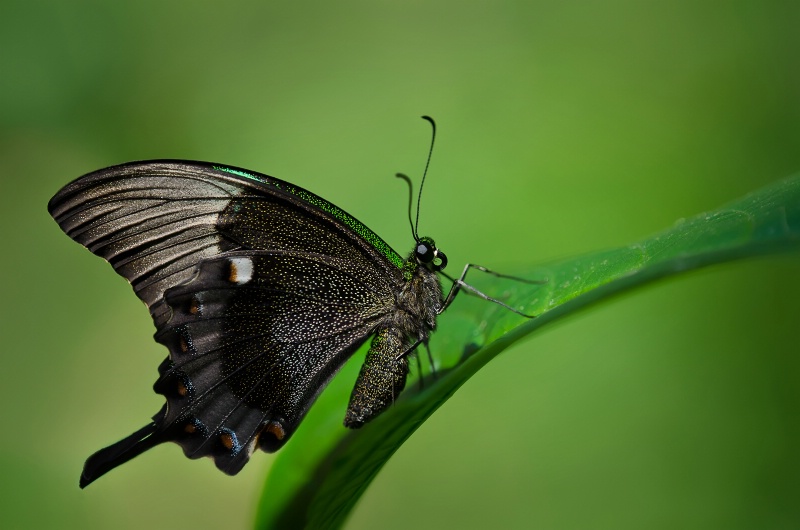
259, 289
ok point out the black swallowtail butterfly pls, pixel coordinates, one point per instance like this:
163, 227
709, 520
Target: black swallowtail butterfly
260, 290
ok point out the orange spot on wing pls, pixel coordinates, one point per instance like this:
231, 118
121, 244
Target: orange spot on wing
275, 429
233, 277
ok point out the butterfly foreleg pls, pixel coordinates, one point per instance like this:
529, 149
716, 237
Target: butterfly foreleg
459, 284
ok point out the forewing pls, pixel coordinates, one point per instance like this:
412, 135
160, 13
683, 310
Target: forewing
156, 221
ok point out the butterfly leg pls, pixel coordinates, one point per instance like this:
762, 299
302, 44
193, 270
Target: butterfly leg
459, 284
430, 360
411, 350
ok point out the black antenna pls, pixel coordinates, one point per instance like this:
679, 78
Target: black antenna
410, 200
428, 163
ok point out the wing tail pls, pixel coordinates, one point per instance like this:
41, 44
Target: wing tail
126, 449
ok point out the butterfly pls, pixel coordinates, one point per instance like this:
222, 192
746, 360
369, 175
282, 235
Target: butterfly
260, 290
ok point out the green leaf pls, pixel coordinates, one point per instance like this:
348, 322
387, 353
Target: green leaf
317, 479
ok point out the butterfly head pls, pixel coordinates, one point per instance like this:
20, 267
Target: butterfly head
429, 256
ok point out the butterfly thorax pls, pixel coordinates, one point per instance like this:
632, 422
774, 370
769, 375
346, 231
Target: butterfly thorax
420, 300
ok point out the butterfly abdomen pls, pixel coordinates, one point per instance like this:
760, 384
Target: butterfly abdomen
381, 379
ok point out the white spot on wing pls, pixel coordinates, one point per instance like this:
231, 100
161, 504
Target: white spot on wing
241, 270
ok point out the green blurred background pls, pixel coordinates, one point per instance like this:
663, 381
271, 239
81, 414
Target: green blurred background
564, 127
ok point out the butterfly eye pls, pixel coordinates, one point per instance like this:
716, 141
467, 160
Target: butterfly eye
442, 260
425, 252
